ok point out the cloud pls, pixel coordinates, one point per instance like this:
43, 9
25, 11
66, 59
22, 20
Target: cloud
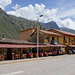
4, 3
68, 23
16, 7
33, 12
30, 12
67, 13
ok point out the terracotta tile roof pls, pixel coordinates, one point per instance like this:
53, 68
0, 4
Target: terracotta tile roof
27, 46
62, 32
16, 46
4, 40
28, 29
43, 31
46, 32
50, 33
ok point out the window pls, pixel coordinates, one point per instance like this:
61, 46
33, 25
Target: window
5, 51
72, 40
55, 42
14, 50
30, 50
52, 38
51, 48
47, 37
19, 49
57, 39
64, 38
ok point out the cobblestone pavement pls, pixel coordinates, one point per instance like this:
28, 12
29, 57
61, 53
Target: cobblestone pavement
58, 65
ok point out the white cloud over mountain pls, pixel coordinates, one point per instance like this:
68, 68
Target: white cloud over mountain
16, 7
4, 3
33, 12
67, 13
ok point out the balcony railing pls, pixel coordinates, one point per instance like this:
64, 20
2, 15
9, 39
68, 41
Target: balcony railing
72, 43
68, 42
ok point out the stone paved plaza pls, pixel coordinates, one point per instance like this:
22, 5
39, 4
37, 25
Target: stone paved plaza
56, 65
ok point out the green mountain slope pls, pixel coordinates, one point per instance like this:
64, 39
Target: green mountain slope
24, 23
10, 26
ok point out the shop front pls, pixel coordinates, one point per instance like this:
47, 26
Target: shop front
14, 52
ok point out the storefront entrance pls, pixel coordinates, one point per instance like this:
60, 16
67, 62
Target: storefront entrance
9, 54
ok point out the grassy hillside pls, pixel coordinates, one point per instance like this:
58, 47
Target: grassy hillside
10, 26
24, 23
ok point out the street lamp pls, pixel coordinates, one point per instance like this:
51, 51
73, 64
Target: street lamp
38, 35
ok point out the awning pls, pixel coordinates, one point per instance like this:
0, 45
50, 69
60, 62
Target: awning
71, 45
27, 46
15, 46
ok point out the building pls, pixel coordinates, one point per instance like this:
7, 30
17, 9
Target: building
10, 47
45, 37
51, 42
25, 34
67, 37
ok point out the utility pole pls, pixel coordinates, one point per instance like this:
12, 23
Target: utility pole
38, 35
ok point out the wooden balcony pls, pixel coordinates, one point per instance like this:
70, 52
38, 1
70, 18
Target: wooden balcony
68, 43
72, 43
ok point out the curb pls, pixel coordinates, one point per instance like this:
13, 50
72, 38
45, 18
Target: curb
36, 59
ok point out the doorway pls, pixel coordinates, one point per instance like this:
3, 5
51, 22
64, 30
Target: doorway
53, 38
9, 54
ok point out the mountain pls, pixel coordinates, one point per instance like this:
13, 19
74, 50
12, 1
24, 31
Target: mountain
51, 25
24, 23
10, 26
68, 30
7, 26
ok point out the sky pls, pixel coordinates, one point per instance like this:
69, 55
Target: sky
60, 11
